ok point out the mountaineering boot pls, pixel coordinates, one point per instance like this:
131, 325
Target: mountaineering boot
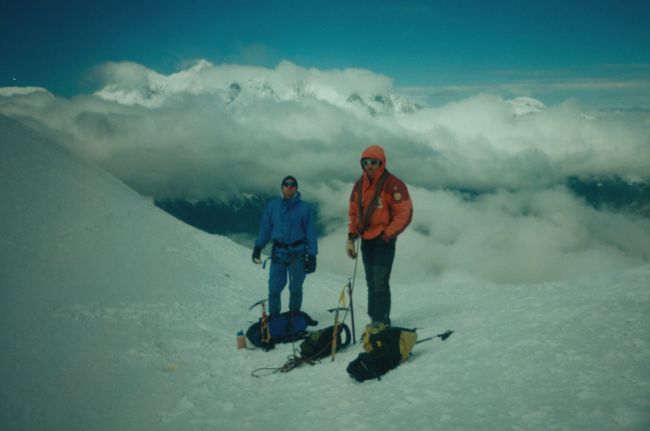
376, 326
373, 327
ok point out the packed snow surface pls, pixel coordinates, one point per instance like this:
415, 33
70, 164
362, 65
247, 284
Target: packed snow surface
115, 316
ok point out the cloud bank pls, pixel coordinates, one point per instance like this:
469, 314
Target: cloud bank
223, 131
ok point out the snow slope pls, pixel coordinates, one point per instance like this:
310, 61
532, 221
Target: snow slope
115, 316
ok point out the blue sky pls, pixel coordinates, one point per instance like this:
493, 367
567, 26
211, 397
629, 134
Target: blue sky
418, 44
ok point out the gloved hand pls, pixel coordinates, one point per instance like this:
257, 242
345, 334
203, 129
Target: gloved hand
350, 248
310, 264
257, 252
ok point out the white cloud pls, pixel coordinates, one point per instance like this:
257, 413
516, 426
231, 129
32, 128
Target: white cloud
21, 91
599, 87
522, 236
517, 237
222, 118
216, 131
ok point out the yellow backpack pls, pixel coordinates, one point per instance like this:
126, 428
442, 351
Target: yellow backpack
389, 338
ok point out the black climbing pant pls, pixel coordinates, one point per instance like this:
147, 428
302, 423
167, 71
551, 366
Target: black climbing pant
378, 257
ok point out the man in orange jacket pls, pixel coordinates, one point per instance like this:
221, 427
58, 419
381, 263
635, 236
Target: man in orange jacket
380, 209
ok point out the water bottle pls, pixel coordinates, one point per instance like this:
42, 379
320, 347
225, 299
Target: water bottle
241, 340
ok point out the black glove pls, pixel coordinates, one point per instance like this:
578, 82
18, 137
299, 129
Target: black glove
257, 252
310, 263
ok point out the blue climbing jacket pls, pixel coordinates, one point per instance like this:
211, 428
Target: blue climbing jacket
289, 222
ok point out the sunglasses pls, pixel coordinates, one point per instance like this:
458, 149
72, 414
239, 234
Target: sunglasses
374, 162
289, 184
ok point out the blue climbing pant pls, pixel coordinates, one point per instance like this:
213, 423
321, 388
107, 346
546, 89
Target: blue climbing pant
286, 263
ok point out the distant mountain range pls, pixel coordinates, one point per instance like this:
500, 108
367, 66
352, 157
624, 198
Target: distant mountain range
152, 89
374, 104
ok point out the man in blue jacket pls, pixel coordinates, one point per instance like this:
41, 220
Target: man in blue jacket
289, 223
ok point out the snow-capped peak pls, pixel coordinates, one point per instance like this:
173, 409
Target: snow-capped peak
131, 84
525, 105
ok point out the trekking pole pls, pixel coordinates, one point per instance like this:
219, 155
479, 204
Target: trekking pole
351, 290
443, 336
354, 337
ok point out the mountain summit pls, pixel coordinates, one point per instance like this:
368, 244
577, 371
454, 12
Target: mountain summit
133, 84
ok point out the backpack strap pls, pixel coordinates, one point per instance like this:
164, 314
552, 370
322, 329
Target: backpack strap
365, 218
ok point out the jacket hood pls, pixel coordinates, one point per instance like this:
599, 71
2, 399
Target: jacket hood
374, 152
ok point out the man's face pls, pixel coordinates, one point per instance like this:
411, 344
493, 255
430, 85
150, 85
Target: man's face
289, 188
370, 165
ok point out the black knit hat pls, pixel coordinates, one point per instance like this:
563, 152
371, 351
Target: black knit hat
289, 177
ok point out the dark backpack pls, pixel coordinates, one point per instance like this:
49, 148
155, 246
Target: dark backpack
385, 348
282, 328
318, 344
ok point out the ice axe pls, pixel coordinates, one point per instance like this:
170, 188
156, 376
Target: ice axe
260, 302
265, 334
336, 327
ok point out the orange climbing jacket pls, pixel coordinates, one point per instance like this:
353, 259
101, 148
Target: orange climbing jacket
380, 205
